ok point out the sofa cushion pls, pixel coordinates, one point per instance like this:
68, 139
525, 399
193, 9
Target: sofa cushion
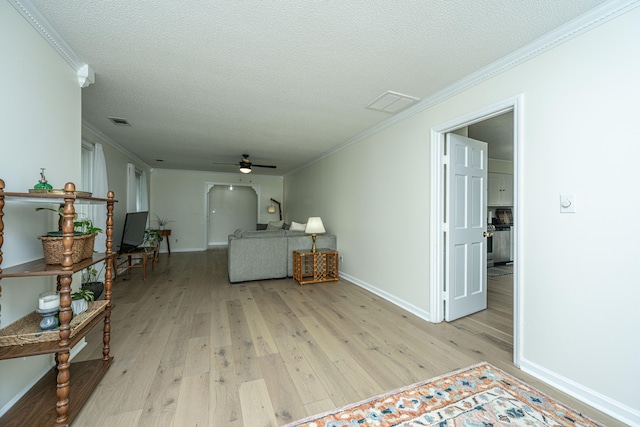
296, 226
275, 225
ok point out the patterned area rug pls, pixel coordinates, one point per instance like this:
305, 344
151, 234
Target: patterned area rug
480, 395
497, 271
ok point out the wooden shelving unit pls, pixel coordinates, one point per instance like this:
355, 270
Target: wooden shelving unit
58, 397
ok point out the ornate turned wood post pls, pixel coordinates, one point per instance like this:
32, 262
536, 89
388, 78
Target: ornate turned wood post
108, 275
62, 406
1, 237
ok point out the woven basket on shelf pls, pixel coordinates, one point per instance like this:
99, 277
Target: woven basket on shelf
52, 247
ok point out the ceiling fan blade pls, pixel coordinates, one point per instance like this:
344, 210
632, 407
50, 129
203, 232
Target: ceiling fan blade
264, 166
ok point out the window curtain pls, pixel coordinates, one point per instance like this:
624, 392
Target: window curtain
100, 188
131, 187
144, 193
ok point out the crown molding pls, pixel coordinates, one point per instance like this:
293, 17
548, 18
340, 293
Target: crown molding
89, 129
42, 25
583, 23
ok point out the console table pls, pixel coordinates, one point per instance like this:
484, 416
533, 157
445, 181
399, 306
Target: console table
315, 267
165, 233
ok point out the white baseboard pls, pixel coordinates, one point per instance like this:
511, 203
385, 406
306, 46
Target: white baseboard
165, 251
592, 398
387, 296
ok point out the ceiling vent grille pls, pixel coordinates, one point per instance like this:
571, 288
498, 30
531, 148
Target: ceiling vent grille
119, 122
392, 102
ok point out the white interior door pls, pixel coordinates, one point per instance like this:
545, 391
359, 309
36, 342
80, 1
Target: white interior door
466, 218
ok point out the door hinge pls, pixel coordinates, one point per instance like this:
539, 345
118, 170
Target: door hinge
445, 159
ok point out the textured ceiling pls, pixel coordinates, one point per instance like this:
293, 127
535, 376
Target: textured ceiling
202, 82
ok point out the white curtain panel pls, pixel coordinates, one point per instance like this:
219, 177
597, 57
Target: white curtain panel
144, 195
100, 189
131, 187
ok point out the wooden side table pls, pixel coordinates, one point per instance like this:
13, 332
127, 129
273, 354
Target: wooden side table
315, 267
165, 233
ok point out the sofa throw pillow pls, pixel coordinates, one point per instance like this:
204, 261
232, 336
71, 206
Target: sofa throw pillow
296, 226
275, 225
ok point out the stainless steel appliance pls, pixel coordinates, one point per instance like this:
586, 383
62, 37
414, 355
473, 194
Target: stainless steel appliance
502, 245
502, 239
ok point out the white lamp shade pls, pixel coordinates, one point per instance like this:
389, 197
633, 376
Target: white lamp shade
314, 225
271, 209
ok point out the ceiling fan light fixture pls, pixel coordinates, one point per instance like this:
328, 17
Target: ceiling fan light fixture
245, 168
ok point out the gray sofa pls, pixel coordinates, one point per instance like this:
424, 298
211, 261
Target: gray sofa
260, 255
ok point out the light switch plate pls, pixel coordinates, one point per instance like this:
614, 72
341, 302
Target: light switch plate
567, 203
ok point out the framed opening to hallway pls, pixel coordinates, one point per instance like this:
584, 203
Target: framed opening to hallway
439, 206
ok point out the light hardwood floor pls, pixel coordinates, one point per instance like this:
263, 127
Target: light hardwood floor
193, 350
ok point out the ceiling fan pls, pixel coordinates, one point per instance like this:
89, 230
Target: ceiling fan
245, 164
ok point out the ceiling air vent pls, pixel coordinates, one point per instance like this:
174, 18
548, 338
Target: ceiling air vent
392, 102
119, 122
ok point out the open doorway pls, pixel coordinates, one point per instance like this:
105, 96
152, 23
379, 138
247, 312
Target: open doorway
510, 111
229, 207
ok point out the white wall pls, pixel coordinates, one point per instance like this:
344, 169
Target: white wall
40, 127
379, 210
579, 291
182, 195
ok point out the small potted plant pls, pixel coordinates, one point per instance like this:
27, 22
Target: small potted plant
85, 227
90, 281
152, 238
162, 222
80, 301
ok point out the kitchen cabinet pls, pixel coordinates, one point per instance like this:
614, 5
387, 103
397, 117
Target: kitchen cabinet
500, 189
58, 397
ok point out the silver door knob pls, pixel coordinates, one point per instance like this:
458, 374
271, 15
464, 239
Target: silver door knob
486, 234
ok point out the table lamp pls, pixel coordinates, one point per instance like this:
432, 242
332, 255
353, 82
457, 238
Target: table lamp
314, 225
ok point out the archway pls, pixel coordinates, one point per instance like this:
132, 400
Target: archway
230, 207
